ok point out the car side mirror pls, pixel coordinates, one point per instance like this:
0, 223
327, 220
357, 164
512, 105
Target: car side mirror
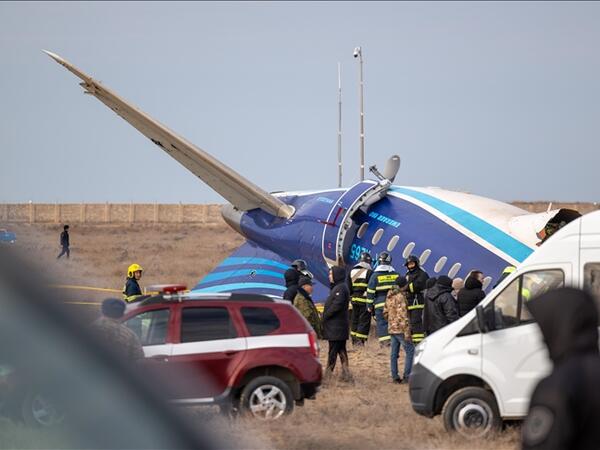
481, 322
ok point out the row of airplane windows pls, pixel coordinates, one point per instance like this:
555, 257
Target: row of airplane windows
439, 265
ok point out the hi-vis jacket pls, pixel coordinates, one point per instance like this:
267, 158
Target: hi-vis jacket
131, 291
382, 280
358, 281
415, 301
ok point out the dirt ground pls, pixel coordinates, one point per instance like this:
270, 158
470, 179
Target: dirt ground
370, 413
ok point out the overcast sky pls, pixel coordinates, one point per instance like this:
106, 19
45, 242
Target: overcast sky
498, 99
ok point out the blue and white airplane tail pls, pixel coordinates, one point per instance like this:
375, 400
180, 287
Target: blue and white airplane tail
451, 232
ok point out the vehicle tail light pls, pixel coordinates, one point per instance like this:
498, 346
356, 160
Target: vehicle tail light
314, 344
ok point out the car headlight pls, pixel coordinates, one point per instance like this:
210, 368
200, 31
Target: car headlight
419, 349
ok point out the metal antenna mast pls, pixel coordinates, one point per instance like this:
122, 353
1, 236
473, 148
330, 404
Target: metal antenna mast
339, 136
358, 54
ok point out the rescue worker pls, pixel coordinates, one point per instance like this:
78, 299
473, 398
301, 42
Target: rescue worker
358, 281
304, 303
64, 243
396, 314
132, 291
291, 276
384, 277
417, 279
564, 410
506, 272
440, 307
116, 336
336, 323
470, 296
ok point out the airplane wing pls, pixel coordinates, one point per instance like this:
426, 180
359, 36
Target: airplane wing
240, 192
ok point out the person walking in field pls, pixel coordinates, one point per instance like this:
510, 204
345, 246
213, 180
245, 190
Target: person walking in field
304, 303
64, 243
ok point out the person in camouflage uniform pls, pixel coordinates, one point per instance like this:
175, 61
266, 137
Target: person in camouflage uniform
303, 302
395, 312
115, 335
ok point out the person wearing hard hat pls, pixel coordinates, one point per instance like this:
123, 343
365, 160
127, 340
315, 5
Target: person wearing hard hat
132, 290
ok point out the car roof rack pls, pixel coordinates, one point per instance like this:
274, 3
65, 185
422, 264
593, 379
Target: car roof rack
210, 296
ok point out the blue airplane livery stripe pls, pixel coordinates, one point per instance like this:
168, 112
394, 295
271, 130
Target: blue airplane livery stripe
474, 224
216, 276
245, 260
237, 286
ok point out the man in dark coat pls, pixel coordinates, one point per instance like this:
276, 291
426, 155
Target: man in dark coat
440, 306
564, 411
64, 242
470, 296
336, 324
297, 269
417, 279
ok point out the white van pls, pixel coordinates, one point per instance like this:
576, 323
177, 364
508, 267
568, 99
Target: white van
482, 368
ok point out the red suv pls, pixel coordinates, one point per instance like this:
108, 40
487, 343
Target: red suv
246, 352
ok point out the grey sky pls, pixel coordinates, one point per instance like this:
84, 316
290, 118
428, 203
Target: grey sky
499, 99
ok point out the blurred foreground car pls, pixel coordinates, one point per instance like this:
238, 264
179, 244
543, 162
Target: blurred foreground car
53, 372
7, 237
245, 352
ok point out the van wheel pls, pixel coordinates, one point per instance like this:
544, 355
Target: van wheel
472, 412
267, 398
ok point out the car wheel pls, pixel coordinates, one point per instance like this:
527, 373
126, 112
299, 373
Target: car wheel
472, 412
38, 410
267, 398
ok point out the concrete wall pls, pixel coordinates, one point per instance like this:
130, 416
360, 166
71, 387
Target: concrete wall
165, 213
109, 213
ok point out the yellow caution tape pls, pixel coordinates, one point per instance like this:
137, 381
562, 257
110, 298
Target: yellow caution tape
83, 303
83, 288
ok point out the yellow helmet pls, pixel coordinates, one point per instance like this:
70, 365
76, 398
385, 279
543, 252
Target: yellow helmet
133, 268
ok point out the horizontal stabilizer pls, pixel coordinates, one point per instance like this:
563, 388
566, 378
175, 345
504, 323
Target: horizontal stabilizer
240, 192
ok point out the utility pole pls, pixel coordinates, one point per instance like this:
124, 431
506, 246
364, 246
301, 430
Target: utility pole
358, 54
339, 136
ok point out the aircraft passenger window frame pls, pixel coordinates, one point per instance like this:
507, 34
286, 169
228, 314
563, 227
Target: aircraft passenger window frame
591, 280
496, 316
393, 242
377, 236
439, 265
454, 269
486, 282
362, 230
424, 256
408, 249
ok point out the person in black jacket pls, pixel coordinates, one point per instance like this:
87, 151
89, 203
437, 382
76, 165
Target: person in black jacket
336, 323
564, 411
297, 269
440, 306
470, 296
64, 242
417, 279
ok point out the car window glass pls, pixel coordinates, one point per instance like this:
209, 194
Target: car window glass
502, 312
538, 283
260, 321
206, 324
591, 281
150, 326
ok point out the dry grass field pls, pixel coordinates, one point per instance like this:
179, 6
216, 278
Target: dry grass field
370, 413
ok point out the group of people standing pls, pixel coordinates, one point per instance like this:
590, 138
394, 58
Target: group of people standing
406, 307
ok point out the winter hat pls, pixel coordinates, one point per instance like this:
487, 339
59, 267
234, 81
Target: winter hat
430, 282
445, 281
113, 308
401, 281
303, 281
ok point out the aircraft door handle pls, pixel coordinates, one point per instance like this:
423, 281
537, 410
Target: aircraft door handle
473, 351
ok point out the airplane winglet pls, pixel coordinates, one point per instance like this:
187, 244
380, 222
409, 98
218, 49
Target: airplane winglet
240, 192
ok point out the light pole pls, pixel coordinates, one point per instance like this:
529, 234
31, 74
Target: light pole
358, 54
339, 136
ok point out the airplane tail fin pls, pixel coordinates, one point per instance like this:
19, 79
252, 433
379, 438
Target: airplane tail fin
240, 192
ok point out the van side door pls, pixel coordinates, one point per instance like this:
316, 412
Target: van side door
515, 357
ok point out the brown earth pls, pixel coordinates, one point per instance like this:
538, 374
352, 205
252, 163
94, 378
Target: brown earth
370, 413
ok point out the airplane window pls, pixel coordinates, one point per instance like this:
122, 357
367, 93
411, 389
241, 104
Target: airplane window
454, 270
362, 230
424, 256
393, 242
377, 236
408, 249
486, 282
440, 264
